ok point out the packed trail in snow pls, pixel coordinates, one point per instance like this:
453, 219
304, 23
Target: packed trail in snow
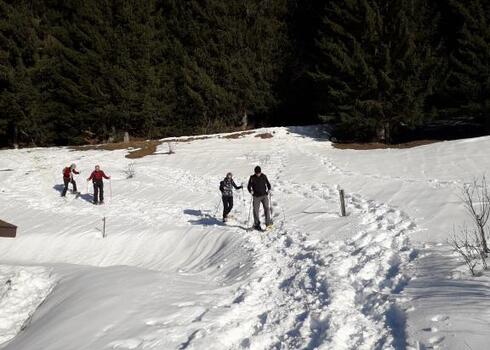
171, 274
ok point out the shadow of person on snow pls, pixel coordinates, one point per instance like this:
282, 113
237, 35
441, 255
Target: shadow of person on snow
203, 219
88, 197
59, 188
206, 219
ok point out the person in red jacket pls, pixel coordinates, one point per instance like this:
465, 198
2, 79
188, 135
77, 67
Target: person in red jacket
97, 177
68, 178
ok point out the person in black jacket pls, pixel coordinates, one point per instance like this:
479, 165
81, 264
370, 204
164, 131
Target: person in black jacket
259, 187
226, 187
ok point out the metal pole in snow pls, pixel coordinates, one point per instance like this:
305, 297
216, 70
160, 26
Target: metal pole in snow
342, 202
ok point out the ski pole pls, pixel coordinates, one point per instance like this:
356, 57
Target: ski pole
110, 189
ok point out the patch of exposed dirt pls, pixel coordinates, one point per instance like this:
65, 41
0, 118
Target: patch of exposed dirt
237, 135
376, 145
142, 148
139, 148
265, 135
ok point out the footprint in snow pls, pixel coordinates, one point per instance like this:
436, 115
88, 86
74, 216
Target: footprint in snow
435, 340
439, 318
185, 304
126, 344
156, 322
430, 329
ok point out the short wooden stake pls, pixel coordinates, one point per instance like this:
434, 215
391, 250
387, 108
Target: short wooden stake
103, 227
342, 202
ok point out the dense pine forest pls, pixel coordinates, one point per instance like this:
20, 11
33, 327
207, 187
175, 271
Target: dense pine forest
74, 71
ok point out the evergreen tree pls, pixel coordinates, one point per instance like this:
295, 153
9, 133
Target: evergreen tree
73, 65
229, 56
20, 121
468, 84
374, 66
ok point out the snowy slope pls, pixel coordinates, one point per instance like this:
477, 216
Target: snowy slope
170, 275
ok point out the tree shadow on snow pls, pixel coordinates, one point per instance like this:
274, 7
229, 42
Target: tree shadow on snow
322, 132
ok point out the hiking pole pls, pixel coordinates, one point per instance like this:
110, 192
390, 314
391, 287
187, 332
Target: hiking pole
270, 204
217, 207
249, 210
243, 198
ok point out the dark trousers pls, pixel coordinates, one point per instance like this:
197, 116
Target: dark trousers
66, 181
227, 205
98, 191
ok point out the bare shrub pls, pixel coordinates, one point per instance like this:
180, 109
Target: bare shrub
476, 200
467, 244
130, 172
471, 243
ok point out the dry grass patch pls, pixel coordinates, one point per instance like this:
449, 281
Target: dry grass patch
237, 135
377, 145
265, 135
149, 148
141, 148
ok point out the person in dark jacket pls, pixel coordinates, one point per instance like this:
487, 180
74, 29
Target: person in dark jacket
226, 187
97, 177
259, 186
68, 178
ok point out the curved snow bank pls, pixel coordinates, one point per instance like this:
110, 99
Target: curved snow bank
162, 219
193, 250
22, 290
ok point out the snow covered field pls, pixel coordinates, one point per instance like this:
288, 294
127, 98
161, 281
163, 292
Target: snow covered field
170, 275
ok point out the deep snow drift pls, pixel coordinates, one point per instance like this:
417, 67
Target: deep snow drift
170, 275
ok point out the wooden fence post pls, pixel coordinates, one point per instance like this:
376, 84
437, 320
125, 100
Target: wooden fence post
103, 227
342, 202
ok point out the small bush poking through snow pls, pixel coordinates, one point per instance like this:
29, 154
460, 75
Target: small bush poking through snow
471, 244
130, 172
467, 244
